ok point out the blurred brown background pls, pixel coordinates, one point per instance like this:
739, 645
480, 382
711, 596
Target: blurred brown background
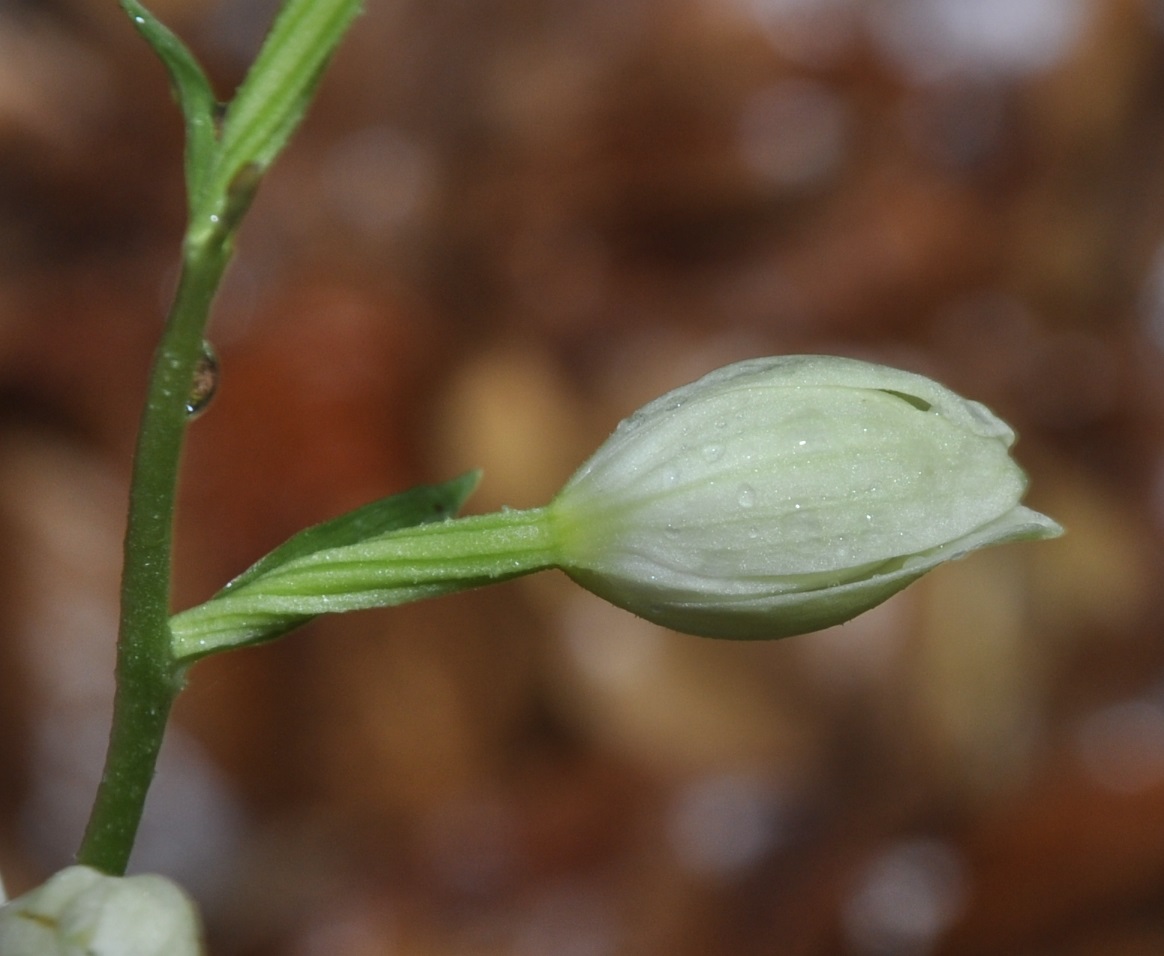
504, 226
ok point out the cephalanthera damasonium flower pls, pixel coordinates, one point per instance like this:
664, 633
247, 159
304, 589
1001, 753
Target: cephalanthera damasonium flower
772, 497
782, 495
81, 911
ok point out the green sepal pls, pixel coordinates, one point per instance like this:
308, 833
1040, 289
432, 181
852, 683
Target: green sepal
191, 89
417, 506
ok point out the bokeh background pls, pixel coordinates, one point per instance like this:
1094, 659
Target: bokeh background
506, 224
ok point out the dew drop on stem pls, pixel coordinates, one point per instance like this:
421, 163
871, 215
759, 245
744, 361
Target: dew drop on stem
205, 382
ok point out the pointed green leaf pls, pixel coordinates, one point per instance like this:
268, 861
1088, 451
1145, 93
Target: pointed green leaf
384, 570
420, 505
275, 94
191, 89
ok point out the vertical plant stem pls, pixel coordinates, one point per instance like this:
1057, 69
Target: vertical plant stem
148, 677
222, 174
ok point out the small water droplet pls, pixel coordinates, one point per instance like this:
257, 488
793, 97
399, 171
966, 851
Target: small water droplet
712, 452
672, 477
746, 496
205, 382
139, 19
753, 532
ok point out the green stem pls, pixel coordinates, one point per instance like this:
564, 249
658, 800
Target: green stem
148, 675
394, 568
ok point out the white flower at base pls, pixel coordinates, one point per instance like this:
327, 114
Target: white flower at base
782, 495
81, 912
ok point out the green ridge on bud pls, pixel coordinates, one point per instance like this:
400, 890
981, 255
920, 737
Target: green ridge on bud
782, 495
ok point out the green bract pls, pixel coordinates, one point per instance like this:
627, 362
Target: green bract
782, 495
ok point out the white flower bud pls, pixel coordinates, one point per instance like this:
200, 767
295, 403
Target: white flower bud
81, 912
781, 495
